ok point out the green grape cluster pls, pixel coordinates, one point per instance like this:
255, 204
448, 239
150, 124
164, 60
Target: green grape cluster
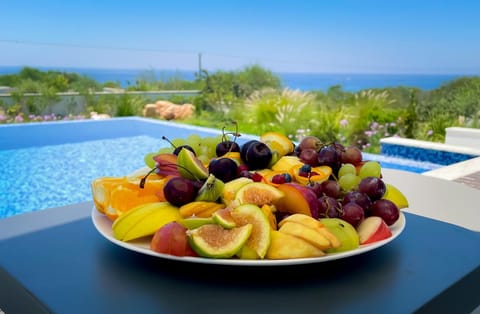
204, 148
349, 179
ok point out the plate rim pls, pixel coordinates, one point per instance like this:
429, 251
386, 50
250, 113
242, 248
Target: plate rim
103, 225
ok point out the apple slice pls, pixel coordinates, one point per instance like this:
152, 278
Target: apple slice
373, 229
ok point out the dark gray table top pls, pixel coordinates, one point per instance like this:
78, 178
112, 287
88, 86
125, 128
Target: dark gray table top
69, 267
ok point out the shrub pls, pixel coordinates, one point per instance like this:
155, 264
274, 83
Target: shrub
274, 110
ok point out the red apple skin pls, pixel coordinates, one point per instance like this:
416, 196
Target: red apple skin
172, 239
373, 229
298, 199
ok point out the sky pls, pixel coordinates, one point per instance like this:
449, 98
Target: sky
318, 36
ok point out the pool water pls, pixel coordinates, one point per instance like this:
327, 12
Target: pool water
36, 178
55, 175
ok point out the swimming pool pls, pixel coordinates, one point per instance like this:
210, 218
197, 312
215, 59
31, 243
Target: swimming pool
52, 164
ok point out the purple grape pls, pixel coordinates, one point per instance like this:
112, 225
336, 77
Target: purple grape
331, 188
352, 155
352, 213
328, 207
339, 148
359, 198
316, 187
385, 209
372, 186
328, 156
309, 156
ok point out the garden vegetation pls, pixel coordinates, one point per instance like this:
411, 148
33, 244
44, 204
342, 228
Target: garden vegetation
256, 99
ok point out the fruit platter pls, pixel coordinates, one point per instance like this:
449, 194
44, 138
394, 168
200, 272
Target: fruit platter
267, 201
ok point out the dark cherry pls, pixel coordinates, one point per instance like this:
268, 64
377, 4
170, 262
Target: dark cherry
226, 147
223, 168
177, 150
244, 148
179, 191
258, 156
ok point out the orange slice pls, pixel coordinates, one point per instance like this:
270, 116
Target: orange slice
101, 189
114, 196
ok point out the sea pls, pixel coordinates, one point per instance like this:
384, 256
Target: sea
352, 82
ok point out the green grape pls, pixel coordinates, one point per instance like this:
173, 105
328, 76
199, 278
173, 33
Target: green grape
370, 169
194, 140
349, 182
165, 150
211, 143
204, 159
347, 168
149, 160
179, 142
203, 151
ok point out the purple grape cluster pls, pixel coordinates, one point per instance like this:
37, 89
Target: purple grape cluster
355, 205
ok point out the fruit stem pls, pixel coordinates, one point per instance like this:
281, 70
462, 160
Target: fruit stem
166, 139
224, 138
144, 179
235, 135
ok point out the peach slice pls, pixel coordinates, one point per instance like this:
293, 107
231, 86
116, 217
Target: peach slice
298, 199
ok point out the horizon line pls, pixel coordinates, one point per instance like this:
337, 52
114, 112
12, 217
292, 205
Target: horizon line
159, 69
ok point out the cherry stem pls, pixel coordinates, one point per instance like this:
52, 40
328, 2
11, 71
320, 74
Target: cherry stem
235, 135
224, 138
144, 179
166, 139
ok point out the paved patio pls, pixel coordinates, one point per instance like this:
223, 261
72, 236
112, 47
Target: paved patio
466, 172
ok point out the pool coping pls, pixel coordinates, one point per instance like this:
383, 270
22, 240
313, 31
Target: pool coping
431, 145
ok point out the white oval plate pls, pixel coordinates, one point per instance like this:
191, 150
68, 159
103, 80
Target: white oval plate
104, 226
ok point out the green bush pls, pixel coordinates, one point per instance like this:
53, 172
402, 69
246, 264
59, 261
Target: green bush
255, 99
283, 111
